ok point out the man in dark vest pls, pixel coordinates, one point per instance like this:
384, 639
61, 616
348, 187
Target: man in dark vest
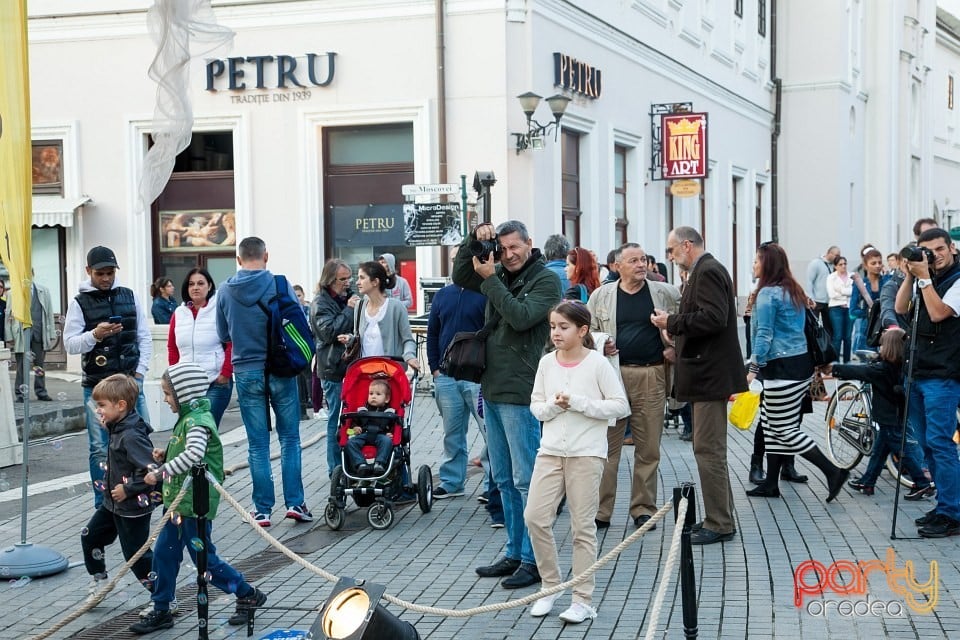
107, 326
935, 389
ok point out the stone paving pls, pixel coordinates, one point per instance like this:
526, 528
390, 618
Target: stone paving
745, 587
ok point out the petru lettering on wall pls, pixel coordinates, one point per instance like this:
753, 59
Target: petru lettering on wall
271, 72
576, 76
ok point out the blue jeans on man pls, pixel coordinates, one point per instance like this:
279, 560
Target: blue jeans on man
331, 393
285, 401
933, 414
98, 438
513, 437
457, 401
219, 397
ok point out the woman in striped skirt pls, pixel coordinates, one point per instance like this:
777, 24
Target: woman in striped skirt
782, 361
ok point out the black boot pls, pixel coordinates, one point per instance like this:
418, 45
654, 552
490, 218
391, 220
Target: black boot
756, 470
771, 486
836, 477
789, 473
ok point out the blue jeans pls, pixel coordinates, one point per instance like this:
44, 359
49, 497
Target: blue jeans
840, 321
98, 437
513, 437
219, 397
933, 414
168, 554
887, 443
457, 401
285, 400
859, 338
331, 393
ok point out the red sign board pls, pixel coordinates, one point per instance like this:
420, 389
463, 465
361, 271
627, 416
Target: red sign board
683, 153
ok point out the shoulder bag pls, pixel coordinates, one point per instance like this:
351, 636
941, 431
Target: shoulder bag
466, 356
352, 352
819, 343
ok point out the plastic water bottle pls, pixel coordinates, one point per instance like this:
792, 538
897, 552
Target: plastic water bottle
756, 387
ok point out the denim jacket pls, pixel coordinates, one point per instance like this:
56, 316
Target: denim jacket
776, 326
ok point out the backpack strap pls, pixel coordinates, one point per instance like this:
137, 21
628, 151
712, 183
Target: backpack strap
278, 280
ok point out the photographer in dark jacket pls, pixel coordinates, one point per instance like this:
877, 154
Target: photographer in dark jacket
331, 314
520, 292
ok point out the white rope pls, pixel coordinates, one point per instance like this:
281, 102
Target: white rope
437, 611
667, 569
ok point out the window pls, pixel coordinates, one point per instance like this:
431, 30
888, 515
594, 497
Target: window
738, 8
620, 194
950, 92
570, 186
761, 17
48, 167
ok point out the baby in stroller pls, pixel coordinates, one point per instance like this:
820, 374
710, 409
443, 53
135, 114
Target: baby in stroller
373, 429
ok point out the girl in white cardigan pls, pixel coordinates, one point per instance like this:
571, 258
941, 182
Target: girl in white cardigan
576, 394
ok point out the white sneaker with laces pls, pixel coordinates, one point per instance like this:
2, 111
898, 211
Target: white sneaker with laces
578, 612
543, 606
146, 611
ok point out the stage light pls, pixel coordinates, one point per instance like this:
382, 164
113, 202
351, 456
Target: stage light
353, 612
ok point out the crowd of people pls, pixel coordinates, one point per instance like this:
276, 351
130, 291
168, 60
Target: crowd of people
577, 368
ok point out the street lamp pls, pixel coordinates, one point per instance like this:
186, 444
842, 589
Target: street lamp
354, 612
536, 132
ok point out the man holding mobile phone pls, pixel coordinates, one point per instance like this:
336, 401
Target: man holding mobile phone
107, 326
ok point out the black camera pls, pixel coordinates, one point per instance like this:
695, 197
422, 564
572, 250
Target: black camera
482, 248
916, 253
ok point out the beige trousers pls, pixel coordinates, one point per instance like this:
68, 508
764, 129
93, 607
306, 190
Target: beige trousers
579, 479
710, 450
646, 393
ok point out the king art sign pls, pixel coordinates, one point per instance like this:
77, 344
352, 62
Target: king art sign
684, 148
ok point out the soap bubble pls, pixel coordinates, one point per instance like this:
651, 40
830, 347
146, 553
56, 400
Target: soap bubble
97, 554
23, 389
84, 531
208, 576
194, 405
57, 445
102, 465
22, 582
176, 518
39, 372
152, 576
124, 479
99, 485
156, 497
143, 500
197, 544
201, 598
62, 396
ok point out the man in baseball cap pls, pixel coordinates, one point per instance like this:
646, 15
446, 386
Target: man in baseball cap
107, 326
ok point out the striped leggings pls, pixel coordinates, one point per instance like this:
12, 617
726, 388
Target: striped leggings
780, 417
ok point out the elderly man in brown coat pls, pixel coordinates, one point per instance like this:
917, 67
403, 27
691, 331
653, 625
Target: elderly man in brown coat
709, 368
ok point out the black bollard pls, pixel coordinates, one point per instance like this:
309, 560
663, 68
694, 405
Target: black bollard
688, 582
201, 505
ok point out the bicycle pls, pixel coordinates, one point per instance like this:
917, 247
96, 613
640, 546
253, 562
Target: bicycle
851, 431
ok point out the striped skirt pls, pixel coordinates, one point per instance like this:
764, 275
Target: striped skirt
780, 417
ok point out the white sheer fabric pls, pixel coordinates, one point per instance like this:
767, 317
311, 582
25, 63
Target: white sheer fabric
181, 29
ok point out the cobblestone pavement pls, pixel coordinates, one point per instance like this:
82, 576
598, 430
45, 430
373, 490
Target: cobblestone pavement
745, 587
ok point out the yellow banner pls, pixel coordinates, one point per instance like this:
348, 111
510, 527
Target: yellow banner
15, 157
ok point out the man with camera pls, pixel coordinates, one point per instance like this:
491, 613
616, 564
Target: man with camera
935, 390
520, 292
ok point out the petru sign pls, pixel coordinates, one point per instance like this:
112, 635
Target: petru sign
271, 72
849, 578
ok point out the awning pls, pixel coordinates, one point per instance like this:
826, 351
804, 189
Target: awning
52, 211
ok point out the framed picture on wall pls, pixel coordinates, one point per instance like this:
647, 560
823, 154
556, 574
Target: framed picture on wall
197, 231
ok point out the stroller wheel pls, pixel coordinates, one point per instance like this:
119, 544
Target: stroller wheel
334, 516
380, 515
338, 483
425, 489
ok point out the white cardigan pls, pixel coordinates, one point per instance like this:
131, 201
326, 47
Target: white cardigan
596, 398
839, 291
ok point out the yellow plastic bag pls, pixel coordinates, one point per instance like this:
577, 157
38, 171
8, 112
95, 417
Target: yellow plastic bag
744, 409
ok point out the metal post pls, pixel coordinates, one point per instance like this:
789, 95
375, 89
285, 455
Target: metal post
464, 230
688, 583
201, 505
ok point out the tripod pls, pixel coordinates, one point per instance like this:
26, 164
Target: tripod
904, 421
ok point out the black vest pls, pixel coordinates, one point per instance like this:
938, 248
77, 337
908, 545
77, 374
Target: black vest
938, 343
114, 354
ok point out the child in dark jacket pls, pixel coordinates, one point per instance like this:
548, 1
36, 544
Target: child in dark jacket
195, 439
886, 378
373, 430
126, 508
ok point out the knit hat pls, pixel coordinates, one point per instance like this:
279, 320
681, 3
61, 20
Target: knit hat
390, 260
189, 382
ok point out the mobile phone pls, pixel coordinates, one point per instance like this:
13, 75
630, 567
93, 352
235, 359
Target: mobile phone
115, 319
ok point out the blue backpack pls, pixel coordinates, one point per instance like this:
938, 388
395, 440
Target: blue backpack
290, 344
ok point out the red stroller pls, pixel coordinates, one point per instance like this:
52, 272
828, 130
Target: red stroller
377, 492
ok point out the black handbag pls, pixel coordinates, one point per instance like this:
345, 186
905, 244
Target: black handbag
465, 358
352, 352
819, 342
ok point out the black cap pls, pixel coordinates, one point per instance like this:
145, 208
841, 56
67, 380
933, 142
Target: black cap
101, 257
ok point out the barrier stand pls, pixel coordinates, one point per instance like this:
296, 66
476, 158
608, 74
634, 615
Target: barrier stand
688, 581
201, 506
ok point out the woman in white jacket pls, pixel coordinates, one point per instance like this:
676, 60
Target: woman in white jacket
577, 394
193, 338
839, 289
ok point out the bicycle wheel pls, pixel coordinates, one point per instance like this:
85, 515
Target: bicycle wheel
850, 431
893, 460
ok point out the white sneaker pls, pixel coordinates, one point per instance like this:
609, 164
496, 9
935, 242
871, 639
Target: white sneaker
543, 606
97, 582
577, 613
147, 610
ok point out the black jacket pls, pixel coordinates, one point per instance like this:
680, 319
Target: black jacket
329, 318
887, 382
129, 453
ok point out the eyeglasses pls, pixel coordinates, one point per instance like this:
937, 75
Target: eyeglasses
670, 249
347, 279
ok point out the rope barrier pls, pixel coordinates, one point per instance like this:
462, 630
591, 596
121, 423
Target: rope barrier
450, 613
667, 569
98, 597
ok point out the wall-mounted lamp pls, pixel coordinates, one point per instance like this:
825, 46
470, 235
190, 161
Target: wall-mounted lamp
536, 132
354, 612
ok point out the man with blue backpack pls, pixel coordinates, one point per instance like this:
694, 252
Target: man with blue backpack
259, 313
